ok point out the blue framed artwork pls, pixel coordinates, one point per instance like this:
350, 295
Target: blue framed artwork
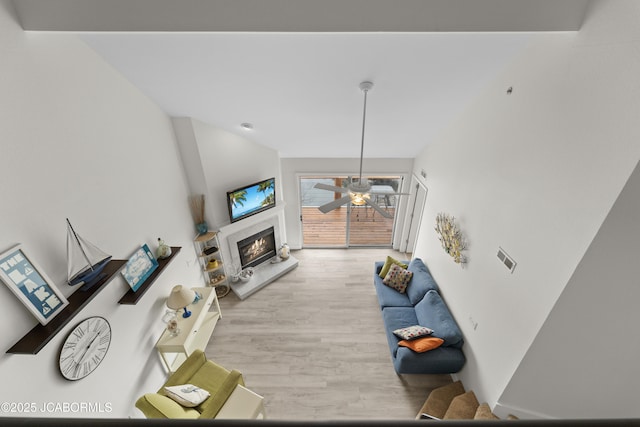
139, 267
30, 284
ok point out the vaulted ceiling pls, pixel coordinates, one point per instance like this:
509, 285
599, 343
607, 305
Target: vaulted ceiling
292, 68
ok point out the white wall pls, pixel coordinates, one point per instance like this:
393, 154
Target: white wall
225, 161
587, 349
293, 167
79, 141
536, 173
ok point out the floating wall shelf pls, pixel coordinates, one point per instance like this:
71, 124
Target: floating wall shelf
40, 335
132, 297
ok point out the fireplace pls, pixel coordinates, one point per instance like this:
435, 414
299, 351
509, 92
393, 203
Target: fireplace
257, 248
260, 235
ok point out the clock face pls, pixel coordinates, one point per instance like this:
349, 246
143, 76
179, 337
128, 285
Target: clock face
84, 348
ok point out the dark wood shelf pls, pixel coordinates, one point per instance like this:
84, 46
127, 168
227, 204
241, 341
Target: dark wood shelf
132, 297
40, 335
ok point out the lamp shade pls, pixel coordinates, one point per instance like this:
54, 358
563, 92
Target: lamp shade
180, 297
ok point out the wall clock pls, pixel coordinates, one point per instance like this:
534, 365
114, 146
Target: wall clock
84, 348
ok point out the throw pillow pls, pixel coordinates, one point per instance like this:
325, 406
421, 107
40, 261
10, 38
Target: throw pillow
421, 345
187, 395
397, 278
387, 265
412, 332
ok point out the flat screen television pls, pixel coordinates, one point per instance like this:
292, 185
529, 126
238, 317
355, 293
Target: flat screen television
251, 199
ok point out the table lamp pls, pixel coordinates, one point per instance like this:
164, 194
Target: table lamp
181, 297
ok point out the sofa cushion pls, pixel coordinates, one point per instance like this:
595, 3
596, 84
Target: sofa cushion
433, 313
388, 297
387, 265
421, 282
397, 278
441, 360
397, 318
422, 344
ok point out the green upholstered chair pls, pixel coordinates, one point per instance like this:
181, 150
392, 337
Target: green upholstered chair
203, 373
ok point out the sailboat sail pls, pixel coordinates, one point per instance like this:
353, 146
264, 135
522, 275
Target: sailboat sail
85, 261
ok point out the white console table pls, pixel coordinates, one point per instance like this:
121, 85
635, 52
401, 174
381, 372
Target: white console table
195, 330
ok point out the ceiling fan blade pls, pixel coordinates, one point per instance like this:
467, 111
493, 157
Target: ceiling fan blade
335, 204
331, 188
379, 209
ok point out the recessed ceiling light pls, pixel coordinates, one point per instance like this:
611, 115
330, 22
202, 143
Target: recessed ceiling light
246, 126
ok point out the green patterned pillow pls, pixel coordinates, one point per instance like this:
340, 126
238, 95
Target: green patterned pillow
398, 278
387, 265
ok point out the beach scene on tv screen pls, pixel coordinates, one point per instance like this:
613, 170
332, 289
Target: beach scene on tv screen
251, 199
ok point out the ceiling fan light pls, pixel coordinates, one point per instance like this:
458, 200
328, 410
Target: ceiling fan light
359, 199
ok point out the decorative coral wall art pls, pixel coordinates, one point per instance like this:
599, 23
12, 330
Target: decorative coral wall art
451, 238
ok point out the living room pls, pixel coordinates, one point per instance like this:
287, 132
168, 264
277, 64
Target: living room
546, 171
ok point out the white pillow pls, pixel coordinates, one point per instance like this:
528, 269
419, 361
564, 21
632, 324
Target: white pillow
412, 332
187, 395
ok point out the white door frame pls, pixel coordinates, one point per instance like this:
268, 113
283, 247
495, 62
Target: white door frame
413, 215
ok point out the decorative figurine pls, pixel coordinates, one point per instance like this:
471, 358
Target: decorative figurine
164, 250
284, 251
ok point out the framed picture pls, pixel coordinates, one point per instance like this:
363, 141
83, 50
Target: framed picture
30, 284
139, 267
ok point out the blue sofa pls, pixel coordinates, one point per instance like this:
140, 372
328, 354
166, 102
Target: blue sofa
421, 304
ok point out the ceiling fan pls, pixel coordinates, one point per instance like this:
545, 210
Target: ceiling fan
357, 193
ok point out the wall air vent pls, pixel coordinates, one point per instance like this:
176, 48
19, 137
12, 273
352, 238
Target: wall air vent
506, 259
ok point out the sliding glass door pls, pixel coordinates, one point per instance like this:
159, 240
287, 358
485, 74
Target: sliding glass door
347, 225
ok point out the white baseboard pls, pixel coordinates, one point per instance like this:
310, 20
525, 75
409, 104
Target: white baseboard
503, 411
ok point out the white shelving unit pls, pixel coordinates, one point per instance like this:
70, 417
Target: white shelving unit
213, 266
195, 330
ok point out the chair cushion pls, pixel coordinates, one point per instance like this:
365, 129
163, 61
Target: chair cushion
154, 405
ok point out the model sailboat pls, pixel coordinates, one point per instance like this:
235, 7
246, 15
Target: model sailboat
85, 261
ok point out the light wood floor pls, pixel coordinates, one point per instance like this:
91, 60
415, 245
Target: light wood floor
368, 227
312, 343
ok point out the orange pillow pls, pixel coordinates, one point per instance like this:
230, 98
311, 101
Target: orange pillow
421, 345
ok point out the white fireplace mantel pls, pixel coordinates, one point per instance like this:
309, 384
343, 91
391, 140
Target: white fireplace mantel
240, 230
266, 272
